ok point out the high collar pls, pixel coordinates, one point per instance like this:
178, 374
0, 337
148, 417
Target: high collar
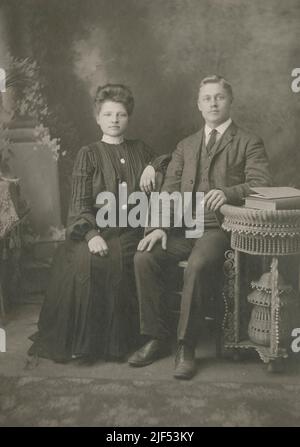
112, 140
221, 129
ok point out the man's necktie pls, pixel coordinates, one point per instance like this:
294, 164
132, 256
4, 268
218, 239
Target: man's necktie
212, 140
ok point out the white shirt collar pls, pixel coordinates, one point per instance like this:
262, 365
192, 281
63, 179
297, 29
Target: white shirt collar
112, 140
220, 129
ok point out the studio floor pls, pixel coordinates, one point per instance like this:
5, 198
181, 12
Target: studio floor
223, 392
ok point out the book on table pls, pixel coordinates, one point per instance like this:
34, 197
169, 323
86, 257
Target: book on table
273, 198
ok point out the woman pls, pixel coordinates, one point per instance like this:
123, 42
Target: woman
90, 310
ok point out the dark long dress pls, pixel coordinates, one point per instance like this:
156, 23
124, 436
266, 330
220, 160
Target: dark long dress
90, 308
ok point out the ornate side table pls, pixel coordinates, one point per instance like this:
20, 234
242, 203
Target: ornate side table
12, 214
265, 233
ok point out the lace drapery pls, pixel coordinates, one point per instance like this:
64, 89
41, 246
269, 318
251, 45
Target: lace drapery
8, 213
263, 232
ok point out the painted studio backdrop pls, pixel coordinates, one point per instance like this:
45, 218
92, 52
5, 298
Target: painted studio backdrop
161, 49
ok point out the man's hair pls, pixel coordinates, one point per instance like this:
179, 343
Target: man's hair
114, 92
216, 79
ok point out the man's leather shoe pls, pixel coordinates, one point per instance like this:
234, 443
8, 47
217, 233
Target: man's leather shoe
151, 351
185, 365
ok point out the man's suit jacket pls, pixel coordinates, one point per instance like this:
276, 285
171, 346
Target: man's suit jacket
239, 163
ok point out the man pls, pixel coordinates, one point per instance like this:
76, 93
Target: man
224, 162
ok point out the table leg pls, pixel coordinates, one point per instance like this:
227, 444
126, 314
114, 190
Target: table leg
237, 287
274, 335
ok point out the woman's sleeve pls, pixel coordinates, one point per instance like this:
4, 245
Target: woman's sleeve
159, 162
81, 217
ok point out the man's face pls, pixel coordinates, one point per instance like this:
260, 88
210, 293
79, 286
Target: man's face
214, 102
113, 118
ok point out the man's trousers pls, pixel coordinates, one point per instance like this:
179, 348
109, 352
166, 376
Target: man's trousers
204, 270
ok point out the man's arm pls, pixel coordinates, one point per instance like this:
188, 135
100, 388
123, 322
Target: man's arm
172, 180
171, 183
257, 172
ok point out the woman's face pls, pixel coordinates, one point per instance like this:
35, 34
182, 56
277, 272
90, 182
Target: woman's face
113, 118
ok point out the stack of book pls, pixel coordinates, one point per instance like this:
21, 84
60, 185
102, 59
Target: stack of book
273, 198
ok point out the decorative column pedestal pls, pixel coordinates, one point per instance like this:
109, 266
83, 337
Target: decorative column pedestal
33, 163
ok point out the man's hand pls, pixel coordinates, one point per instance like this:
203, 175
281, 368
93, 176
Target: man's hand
147, 181
150, 240
97, 245
214, 199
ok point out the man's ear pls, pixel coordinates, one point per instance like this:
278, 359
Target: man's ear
199, 107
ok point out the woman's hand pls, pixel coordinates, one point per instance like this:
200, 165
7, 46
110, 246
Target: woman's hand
97, 245
147, 181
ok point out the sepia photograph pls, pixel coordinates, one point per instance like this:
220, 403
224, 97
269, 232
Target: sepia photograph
149, 216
